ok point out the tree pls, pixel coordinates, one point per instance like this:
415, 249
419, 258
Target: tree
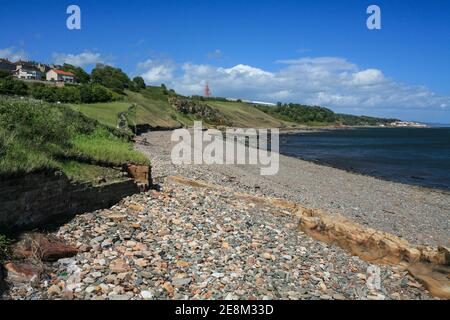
110, 77
139, 83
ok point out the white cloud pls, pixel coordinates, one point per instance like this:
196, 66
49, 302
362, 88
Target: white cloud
13, 54
326, 81
368, 77
81, 60
242, 70
156, 72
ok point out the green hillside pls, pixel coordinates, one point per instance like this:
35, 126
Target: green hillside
245, 115
153, 108
106, 113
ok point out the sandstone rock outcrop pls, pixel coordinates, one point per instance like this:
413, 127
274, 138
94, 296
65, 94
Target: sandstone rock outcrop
22, 272
203, 111
428, 265
141, 176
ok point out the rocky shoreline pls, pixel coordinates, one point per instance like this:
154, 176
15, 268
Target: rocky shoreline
417, 214
184, 242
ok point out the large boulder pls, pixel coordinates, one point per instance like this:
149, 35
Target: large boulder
22, 273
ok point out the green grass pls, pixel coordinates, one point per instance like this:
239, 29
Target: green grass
105, 113
84, 172
102, 146
37, 136
151, 107
154, 108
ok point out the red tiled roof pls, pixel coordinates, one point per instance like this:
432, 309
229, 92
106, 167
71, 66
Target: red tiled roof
64, 73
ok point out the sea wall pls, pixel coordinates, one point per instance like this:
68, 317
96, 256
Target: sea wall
43, 200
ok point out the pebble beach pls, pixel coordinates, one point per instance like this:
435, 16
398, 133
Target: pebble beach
183, 242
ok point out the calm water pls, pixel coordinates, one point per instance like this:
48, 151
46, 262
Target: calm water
409, 155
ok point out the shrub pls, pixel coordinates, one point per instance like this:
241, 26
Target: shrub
68, 94
9, 86
4, 74
87, 93
46, 93
101, 94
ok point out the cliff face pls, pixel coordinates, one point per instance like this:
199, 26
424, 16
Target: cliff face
195, 108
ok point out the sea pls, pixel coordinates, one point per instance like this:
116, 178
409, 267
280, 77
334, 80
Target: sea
417, 156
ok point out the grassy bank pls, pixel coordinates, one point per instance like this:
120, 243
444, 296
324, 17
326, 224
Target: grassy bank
147, 107
38, 136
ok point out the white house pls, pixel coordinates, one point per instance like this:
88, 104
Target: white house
26, 70
60, 76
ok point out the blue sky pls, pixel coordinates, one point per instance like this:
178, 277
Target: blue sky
315, 52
